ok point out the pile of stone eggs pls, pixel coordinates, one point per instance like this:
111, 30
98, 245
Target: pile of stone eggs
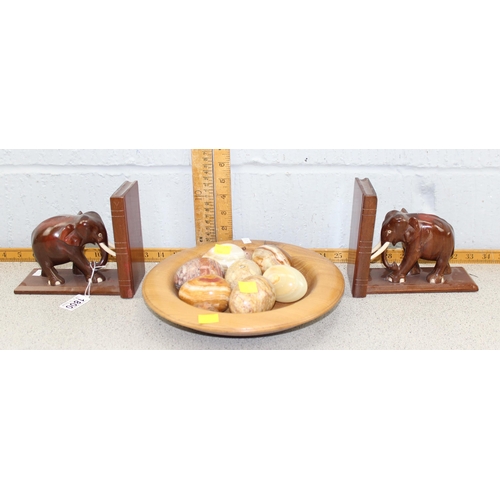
227, 278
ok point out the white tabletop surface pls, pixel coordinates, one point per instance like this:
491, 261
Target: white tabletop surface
404, 321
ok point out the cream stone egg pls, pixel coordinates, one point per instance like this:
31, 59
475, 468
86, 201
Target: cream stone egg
225, 254
241, 269
270, 255
289, 283
245, 300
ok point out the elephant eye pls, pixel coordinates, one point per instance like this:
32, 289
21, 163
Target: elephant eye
99, 235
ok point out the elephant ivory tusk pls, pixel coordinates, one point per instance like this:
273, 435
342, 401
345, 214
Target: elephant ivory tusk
376, 247
380, 250
107, 249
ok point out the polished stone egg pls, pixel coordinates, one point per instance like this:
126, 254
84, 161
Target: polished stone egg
252, 295
289, 283
241, 269
225, 254
210, 292
198, 266
270, 255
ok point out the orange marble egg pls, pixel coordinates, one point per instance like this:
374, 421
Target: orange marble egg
198, 266
210, 292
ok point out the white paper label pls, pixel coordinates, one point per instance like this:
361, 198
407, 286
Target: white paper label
75, 302
247, 241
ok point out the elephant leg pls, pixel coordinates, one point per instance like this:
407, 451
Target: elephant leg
76, 270
396, 277
97, 274
47, 267
435, 278
82, 266
54, 278
437, 274
407, 264
415, 269
97, 277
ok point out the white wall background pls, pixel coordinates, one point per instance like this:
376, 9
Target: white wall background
303, 197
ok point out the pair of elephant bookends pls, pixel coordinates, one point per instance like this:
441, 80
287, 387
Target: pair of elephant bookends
422, 236
62, 239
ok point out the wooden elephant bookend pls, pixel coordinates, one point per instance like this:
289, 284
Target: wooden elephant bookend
423, 236
52, 249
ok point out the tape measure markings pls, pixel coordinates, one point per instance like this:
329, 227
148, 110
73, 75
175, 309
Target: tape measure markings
211, 170
336, 255
203, 195
223, 200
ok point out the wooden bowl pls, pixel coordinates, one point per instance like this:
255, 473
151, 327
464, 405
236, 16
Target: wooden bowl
325, 289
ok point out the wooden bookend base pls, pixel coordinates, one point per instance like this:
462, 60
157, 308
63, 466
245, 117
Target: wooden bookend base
130, 267
458, 281
74, 284
365, 280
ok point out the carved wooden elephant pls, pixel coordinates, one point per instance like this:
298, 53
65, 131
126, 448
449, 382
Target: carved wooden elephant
62, 239
424, 236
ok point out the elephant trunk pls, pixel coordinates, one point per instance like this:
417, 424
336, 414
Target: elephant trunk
386, 238
384, 258
379, 249
104, 257
105, 253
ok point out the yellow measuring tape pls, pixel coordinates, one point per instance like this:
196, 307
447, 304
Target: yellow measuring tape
214, 221
338, 256
396, 255
213, 211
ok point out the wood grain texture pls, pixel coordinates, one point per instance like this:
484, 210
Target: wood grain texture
364, 211
365, 279
123, 281
325, 289
127, 229
74, 283
458, 281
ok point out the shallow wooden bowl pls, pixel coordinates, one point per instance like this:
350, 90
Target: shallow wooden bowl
325, 289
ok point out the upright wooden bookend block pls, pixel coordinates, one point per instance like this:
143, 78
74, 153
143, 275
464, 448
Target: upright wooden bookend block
365, 279
364, 211
127, 229
130, 267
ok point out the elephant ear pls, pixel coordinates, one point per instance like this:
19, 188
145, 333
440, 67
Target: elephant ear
70, 236
413, 230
